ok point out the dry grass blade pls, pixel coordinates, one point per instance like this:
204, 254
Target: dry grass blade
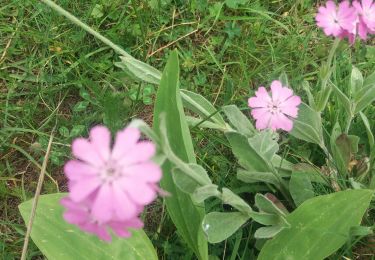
36, 197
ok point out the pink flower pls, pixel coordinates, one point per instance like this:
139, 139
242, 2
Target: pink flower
366, 20
337, 21
274, 112
80, 215
112, 183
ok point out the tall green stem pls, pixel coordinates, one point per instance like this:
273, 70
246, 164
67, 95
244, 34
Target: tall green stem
325, 91
87, 28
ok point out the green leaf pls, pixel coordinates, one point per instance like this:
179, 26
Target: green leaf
247, 156
308, 125
64, 131
319, 227
264, 204
198, 104
306, 87
218, 226
190, 177
370, 135
269, 232
344, 100
97, 12
226, 196
240, 122
141, 70
300, 187
202, 123
254, 177
364, 98
265, 143
356, 80
59, 240
80, 106
370, 80
185, 214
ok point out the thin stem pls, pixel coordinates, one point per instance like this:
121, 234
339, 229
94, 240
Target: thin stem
333, 51
87, 28
323, 97
36, 198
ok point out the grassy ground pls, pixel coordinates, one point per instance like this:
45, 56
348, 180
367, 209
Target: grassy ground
53, 74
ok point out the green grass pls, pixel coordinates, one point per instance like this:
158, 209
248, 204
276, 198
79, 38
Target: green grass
53, 74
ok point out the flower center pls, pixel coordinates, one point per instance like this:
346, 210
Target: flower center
274, 108
110, 172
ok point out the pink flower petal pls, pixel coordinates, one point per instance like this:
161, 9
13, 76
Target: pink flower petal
260, 113
102, 209
100, 138
146, 172
80, 190
125, 208
139, 192
76, 170
141, 152
282, 122
84, 150
264, 122
276, 89
125, 141
292, 101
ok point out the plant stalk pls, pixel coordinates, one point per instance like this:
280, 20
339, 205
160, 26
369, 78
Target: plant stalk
36, 198
87, 28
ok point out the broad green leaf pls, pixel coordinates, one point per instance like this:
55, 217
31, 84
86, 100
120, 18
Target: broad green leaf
370, 80
346, 147
203, 123
254, 177
308, 125
59, 240
315, 175
266, 205
356, 80
300, 187
205, 192
344, 100
340, 162
319, 227
306, 87
200, 105
185, 214
269, 232
364, 98
190, 177
141, 70
265, 143
239, 121
247, 156
370, 135
218, 226
323, 97
225, 195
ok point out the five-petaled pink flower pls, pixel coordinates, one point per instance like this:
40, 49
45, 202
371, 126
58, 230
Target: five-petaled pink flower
110, 184
337, 21
347, 20
366, 17
275, 111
